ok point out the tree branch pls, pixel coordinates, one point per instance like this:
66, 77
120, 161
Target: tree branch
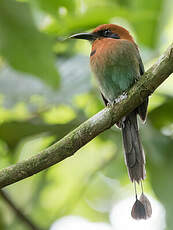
88, 130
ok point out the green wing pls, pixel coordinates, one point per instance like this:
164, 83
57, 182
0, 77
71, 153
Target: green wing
142, 109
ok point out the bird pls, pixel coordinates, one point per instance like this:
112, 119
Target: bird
116, 65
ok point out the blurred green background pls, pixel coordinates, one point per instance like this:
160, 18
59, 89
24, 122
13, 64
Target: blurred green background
47, 89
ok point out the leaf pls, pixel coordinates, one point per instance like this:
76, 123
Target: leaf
15, 88
23, 46
162, 115
13, 132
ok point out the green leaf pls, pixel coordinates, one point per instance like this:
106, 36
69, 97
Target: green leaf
33, 127
162, 115
36, 95
23, 46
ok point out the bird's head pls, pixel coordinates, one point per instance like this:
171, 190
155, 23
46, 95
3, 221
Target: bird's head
105, 31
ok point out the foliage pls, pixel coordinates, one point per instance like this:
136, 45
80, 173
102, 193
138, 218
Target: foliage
33, 115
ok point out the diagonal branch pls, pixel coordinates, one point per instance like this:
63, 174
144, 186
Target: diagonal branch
88, 130
18, 211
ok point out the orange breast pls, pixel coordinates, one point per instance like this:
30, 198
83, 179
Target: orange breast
108, 52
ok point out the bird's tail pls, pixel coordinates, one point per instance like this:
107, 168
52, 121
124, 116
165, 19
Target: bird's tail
134, 154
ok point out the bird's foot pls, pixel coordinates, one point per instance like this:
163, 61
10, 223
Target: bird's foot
117, 100
120, 98
110, 104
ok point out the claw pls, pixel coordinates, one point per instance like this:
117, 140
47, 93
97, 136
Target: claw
120, 98
117, 100
109, 105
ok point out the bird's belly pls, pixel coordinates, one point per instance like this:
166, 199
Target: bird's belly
114, 81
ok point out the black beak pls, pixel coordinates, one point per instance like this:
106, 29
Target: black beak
86, 36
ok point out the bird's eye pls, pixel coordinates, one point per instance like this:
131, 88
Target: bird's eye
107, 32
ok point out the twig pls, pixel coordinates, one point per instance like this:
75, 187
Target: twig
18, 212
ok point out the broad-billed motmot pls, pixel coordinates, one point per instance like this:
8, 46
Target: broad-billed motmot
116, 64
